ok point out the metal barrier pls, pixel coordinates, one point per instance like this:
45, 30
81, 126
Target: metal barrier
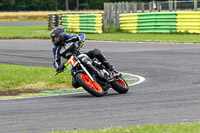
85, 23
161, 22
54, 21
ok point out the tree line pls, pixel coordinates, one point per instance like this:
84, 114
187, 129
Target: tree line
52, 5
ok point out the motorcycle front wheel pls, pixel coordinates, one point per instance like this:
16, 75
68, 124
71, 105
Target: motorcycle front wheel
91, 87
120, 85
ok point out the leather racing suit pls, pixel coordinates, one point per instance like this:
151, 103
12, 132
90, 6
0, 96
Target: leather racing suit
68, 47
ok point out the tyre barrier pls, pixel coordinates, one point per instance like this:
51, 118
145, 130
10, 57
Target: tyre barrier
85, 23
170, 22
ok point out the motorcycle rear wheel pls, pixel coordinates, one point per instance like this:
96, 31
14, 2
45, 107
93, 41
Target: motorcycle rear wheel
120, 86
91, 87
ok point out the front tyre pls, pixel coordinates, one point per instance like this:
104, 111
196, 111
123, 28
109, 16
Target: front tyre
91, 87
120, 85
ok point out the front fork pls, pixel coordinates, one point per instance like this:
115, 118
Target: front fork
87, 61
86, 71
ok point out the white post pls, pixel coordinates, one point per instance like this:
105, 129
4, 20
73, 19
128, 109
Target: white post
195, 5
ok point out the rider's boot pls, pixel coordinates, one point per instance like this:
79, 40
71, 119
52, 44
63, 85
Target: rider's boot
111, 68
115, 73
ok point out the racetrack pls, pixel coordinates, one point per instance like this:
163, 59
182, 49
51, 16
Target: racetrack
22, 23
170, 93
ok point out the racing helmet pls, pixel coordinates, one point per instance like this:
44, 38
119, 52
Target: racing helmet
57, 35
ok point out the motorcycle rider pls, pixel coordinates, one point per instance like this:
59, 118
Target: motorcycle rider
64, 47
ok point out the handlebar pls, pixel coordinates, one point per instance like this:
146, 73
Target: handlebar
75, 53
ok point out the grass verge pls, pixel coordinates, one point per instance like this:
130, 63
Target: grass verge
128, 37
42, 32
157, 128
15, 79
24, 32
40, 15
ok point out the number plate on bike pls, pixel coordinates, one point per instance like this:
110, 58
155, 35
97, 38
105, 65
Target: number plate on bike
70, 63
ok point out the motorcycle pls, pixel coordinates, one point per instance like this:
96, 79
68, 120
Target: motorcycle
92, 75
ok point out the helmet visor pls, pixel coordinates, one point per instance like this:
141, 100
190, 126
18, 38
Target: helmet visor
56, 38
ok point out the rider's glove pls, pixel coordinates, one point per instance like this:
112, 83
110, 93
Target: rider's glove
80, 43
60, 68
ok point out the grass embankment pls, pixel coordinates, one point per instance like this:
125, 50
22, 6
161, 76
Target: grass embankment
15, 79
157, 128
39, 15
42, 32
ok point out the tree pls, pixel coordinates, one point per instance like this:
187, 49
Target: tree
67, 4
20, 5
97, 4
84, 5
7, 5
77, 4
42, 5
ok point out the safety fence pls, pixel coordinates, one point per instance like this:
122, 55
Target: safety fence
113, 10
161, 22
86, 23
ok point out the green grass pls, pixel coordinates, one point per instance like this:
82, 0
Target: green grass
38, 31
17, 79
42, 32
157, 128
128, 37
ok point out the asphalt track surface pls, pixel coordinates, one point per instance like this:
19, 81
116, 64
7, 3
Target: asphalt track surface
22, 23
170, 93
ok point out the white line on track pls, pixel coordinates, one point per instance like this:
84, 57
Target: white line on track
141, 79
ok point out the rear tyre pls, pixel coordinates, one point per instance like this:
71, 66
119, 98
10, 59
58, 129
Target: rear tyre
91, 87
120, 86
